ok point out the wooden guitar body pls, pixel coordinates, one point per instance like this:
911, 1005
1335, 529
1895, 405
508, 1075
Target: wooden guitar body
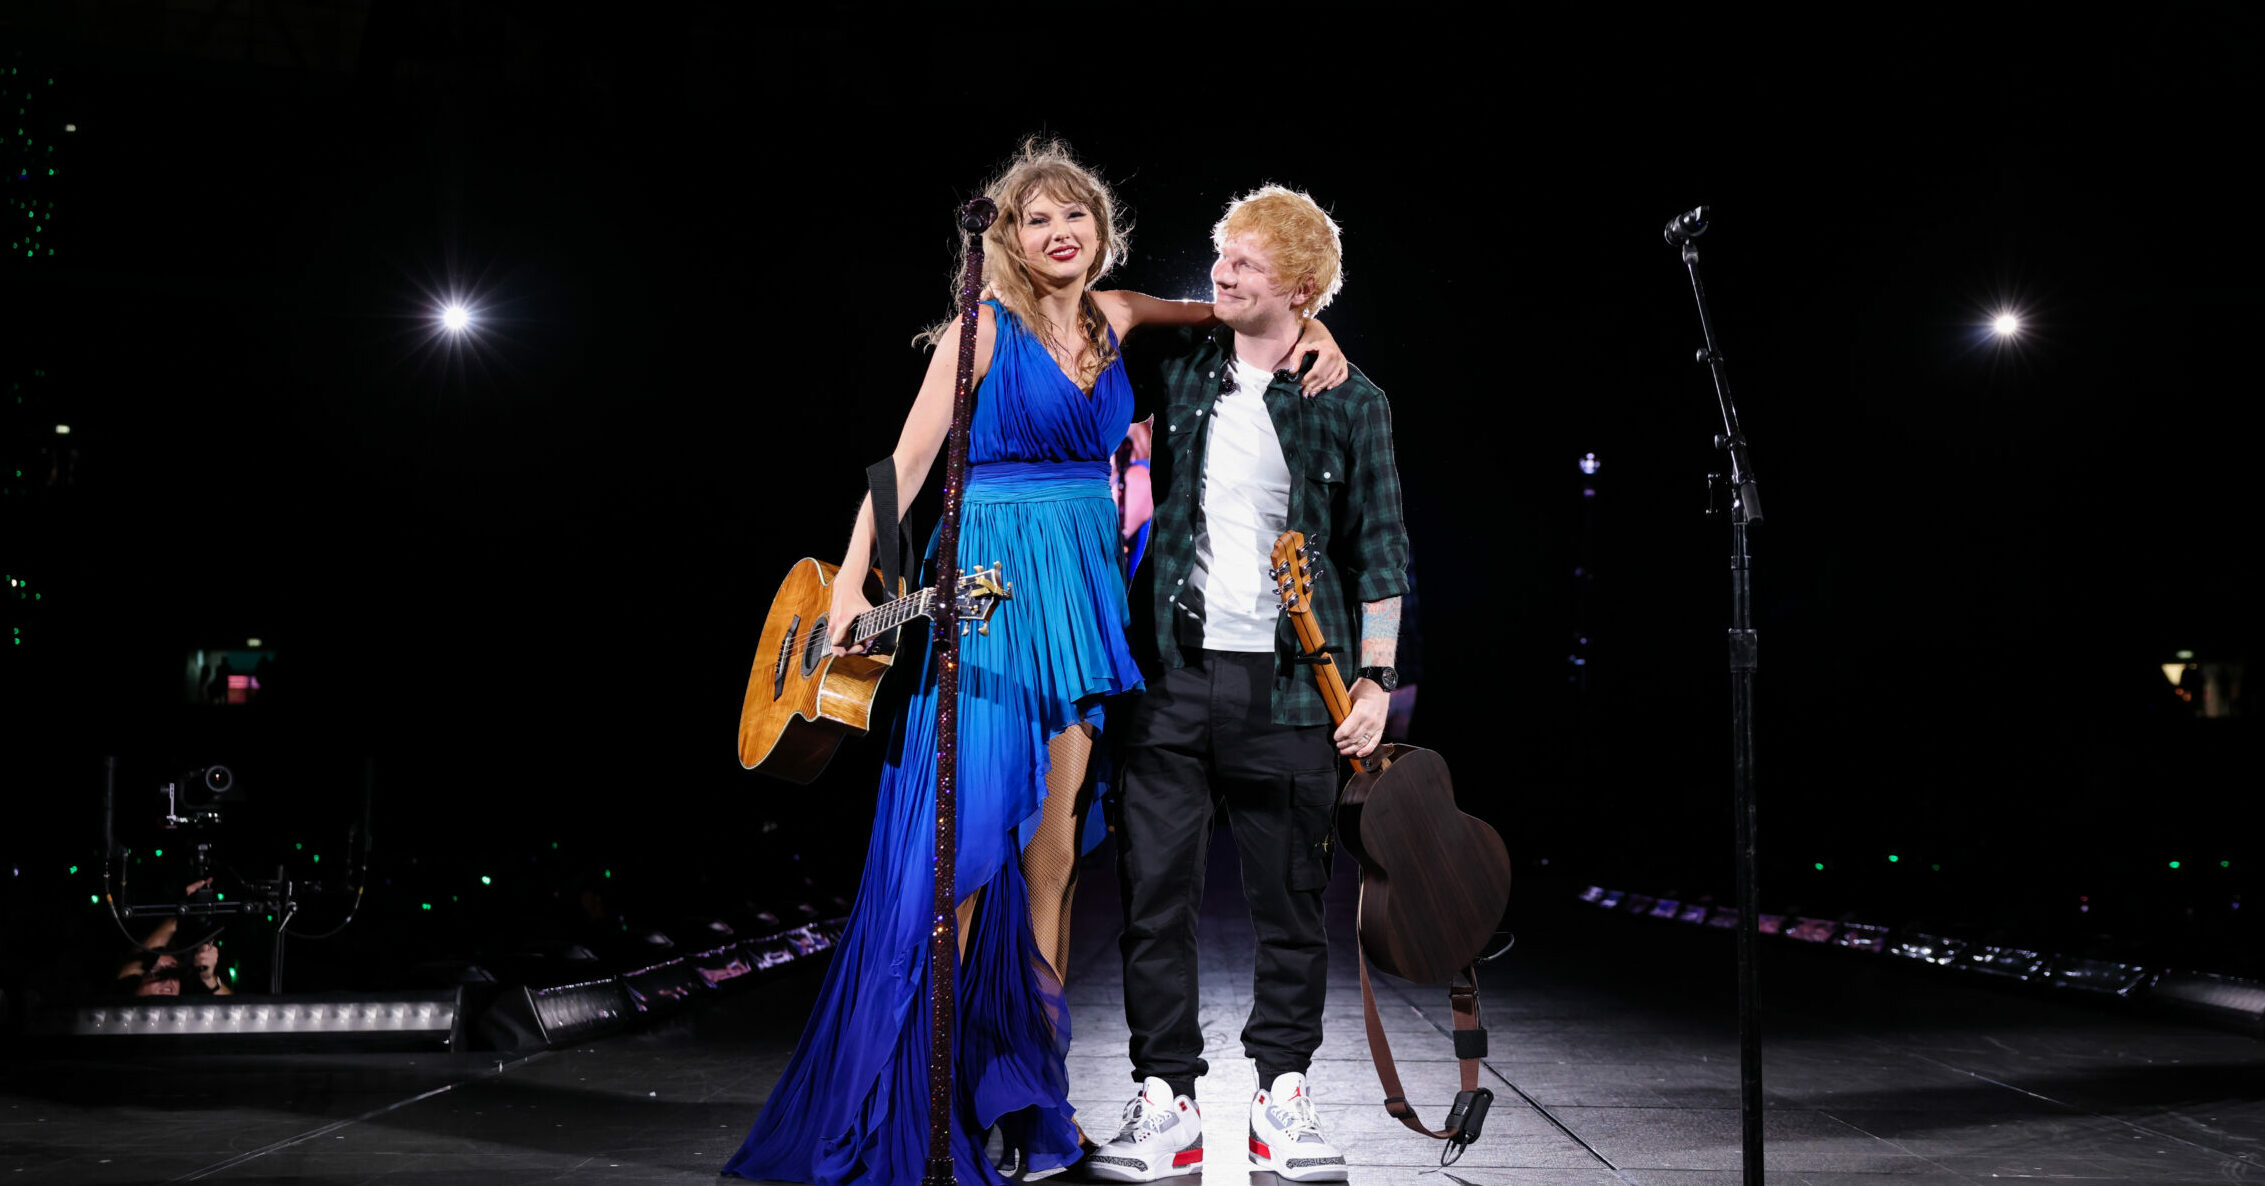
1433, 880
801, 700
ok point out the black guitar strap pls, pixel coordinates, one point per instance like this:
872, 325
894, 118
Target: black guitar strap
892, 548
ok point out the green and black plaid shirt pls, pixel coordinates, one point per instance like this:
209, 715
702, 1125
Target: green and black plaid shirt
1344, 495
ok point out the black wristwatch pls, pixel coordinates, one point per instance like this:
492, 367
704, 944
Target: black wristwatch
1386, 678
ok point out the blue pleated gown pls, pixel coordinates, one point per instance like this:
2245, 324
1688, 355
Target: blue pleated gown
853, 1104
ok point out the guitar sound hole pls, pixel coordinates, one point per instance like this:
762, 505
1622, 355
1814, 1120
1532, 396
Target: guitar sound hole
815, 648
786, 655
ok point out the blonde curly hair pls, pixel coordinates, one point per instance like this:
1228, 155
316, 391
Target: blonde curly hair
1045, 167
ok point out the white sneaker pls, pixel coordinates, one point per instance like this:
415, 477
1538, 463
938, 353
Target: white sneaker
1285, 1136
1012, 1166
1162, 1137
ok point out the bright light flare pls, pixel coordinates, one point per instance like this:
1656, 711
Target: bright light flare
458, 324
2005, 325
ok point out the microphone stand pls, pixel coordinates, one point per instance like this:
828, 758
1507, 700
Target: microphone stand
1745, 511
943, 947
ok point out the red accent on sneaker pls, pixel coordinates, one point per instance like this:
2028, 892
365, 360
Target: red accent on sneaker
1187, 1156
1258, 1148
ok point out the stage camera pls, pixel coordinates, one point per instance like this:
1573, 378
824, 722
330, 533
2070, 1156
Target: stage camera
195, 798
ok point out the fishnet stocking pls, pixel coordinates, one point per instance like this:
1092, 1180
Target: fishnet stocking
1049, 864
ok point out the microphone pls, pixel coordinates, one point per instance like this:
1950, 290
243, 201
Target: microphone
1688, 225
976, 216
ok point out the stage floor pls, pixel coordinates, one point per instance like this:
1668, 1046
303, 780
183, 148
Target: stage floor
1614, 1060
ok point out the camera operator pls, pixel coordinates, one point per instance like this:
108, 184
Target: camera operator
148, 975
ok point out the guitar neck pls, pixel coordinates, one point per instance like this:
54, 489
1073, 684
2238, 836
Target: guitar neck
1325, 673
888, 616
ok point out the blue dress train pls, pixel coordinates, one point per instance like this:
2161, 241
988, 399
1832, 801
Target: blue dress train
853, 1103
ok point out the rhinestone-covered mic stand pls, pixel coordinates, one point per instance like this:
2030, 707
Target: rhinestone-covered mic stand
943, 941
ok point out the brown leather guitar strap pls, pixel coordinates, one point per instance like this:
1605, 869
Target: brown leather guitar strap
1470, 1047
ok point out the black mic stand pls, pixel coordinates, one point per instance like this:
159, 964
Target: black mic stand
1745, 510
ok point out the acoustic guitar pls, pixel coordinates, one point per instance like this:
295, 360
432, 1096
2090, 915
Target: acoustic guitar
1434, 881
802, 699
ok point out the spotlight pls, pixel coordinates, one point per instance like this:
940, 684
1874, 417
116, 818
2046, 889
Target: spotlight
455, 317
2005, 325
413, 1017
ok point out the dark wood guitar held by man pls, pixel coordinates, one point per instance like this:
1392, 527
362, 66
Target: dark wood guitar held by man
1434, 881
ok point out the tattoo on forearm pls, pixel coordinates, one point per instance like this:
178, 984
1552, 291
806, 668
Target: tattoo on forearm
1380, 632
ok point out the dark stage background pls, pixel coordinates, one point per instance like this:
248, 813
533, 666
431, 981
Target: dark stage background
524, 576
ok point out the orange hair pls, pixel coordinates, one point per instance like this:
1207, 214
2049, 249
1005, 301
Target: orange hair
1300, 236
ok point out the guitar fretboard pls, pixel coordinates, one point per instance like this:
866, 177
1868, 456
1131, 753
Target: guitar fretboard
883, 618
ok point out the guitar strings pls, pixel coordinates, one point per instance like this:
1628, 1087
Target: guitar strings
906, 609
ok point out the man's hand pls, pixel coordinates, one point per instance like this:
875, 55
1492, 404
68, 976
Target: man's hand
206, 961
1363, 727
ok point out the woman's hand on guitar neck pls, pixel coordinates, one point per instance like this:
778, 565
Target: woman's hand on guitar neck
849, 601
1362, 729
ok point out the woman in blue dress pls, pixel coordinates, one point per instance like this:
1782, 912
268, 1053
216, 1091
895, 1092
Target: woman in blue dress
1051, 406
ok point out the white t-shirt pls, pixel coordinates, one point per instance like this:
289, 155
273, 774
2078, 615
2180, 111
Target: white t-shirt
1246, 506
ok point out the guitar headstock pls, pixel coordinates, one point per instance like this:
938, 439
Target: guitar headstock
980, 592
1293, 575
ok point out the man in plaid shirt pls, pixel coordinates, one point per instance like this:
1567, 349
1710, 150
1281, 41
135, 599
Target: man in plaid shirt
1229, 716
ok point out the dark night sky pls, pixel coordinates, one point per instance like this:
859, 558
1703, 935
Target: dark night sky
529, 578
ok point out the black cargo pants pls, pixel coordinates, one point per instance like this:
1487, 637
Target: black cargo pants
1203, 737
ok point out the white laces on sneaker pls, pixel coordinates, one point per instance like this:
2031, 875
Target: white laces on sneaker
1302, 1121
1294, 1114
1141, 1120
